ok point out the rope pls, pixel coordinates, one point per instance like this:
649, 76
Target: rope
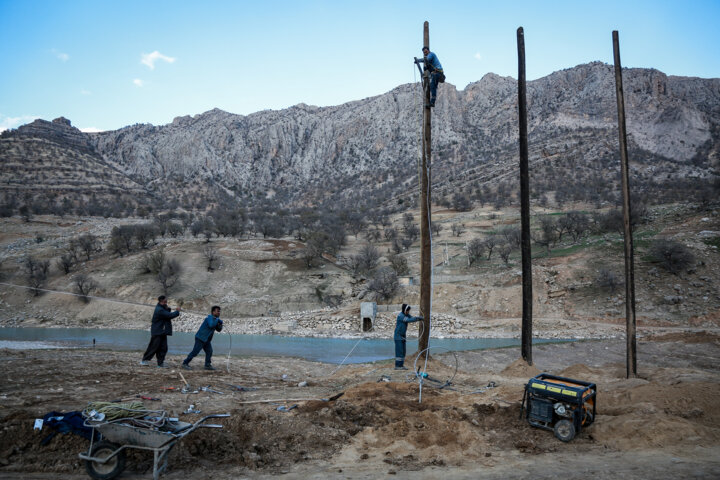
346, 357
133, 412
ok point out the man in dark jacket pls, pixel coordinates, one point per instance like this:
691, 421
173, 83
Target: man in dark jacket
160, 328
203, 337
403, 319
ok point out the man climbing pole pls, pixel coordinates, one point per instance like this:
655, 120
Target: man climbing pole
432, 65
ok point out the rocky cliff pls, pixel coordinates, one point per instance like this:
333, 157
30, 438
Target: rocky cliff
369, 148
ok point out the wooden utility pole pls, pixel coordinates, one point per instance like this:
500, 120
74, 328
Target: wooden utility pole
526, 335
425, 240
631, 351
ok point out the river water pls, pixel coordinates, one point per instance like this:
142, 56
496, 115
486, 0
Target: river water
328, 350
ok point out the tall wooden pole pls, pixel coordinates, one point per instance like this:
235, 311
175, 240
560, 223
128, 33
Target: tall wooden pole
425, 240
631, 350
526, 340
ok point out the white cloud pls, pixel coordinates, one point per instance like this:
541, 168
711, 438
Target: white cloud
61, 55
85, 92
91, 130
138, 82
477, 56
149, 59
7, 123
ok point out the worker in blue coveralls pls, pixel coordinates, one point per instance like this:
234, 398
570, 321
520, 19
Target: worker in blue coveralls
403, 319
436, 72
203, 339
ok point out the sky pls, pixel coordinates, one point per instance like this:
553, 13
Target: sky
108, 64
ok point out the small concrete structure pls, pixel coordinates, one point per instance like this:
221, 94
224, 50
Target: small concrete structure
368, 312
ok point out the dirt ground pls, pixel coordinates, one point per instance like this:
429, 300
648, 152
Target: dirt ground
663, 424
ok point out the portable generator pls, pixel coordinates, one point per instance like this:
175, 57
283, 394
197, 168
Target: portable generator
560, 404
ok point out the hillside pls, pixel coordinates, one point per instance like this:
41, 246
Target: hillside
363, 153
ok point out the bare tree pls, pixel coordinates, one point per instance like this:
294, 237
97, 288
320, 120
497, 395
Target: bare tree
458, 229
608, 279
475, 250
89, 244
504, 251
212, 256
169, 274
36, 272
578, 224
412, 232
314, 248
84, 285
65, 263
145, 234
490, 243
390, 234
153, 262
399, 264
436, 228
383, 284
546, 235
512, 235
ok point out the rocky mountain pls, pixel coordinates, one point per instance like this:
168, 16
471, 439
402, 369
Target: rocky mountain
366, 151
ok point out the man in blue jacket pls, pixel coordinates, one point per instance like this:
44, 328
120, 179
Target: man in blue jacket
436, 72
160, 328
203, 337
403, 319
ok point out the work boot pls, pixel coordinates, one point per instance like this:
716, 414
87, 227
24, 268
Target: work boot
144, 363
401, 368
162, 365
185, 366
210, 367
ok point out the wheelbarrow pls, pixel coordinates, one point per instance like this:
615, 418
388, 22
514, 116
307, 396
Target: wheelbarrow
105, 459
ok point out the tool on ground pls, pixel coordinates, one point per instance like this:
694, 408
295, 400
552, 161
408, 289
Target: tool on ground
241, 388
145, 397
191, 409
283, 408
208, 389
560, 404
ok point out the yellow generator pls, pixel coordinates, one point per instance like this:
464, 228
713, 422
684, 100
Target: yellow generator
560, 404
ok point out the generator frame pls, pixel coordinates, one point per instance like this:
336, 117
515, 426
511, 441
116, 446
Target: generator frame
545, 400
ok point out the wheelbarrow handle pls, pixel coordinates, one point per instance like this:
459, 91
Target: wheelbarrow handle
198, 424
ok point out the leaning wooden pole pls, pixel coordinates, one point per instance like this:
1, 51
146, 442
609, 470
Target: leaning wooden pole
526, 336
631, 351
425, 240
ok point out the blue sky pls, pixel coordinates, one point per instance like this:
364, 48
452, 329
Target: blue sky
106, 64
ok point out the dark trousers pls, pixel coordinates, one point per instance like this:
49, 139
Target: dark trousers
434, 80
399, 353
200, 345
157, 346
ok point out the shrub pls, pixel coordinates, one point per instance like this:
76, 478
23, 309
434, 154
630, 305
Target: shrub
673, 256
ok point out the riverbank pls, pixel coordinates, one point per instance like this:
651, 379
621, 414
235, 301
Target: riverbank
663, 424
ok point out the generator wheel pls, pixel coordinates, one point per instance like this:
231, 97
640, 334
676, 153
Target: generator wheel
564, 430
110, 469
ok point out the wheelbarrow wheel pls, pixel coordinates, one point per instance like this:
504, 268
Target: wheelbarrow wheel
110, 469
564, 430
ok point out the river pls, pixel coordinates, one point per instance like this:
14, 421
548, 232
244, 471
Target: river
327, 350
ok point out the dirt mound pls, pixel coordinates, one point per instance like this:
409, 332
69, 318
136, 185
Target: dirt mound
520, 368
655, 415
581, 372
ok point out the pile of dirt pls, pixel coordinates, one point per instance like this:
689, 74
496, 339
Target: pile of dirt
520, 368
653, 415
